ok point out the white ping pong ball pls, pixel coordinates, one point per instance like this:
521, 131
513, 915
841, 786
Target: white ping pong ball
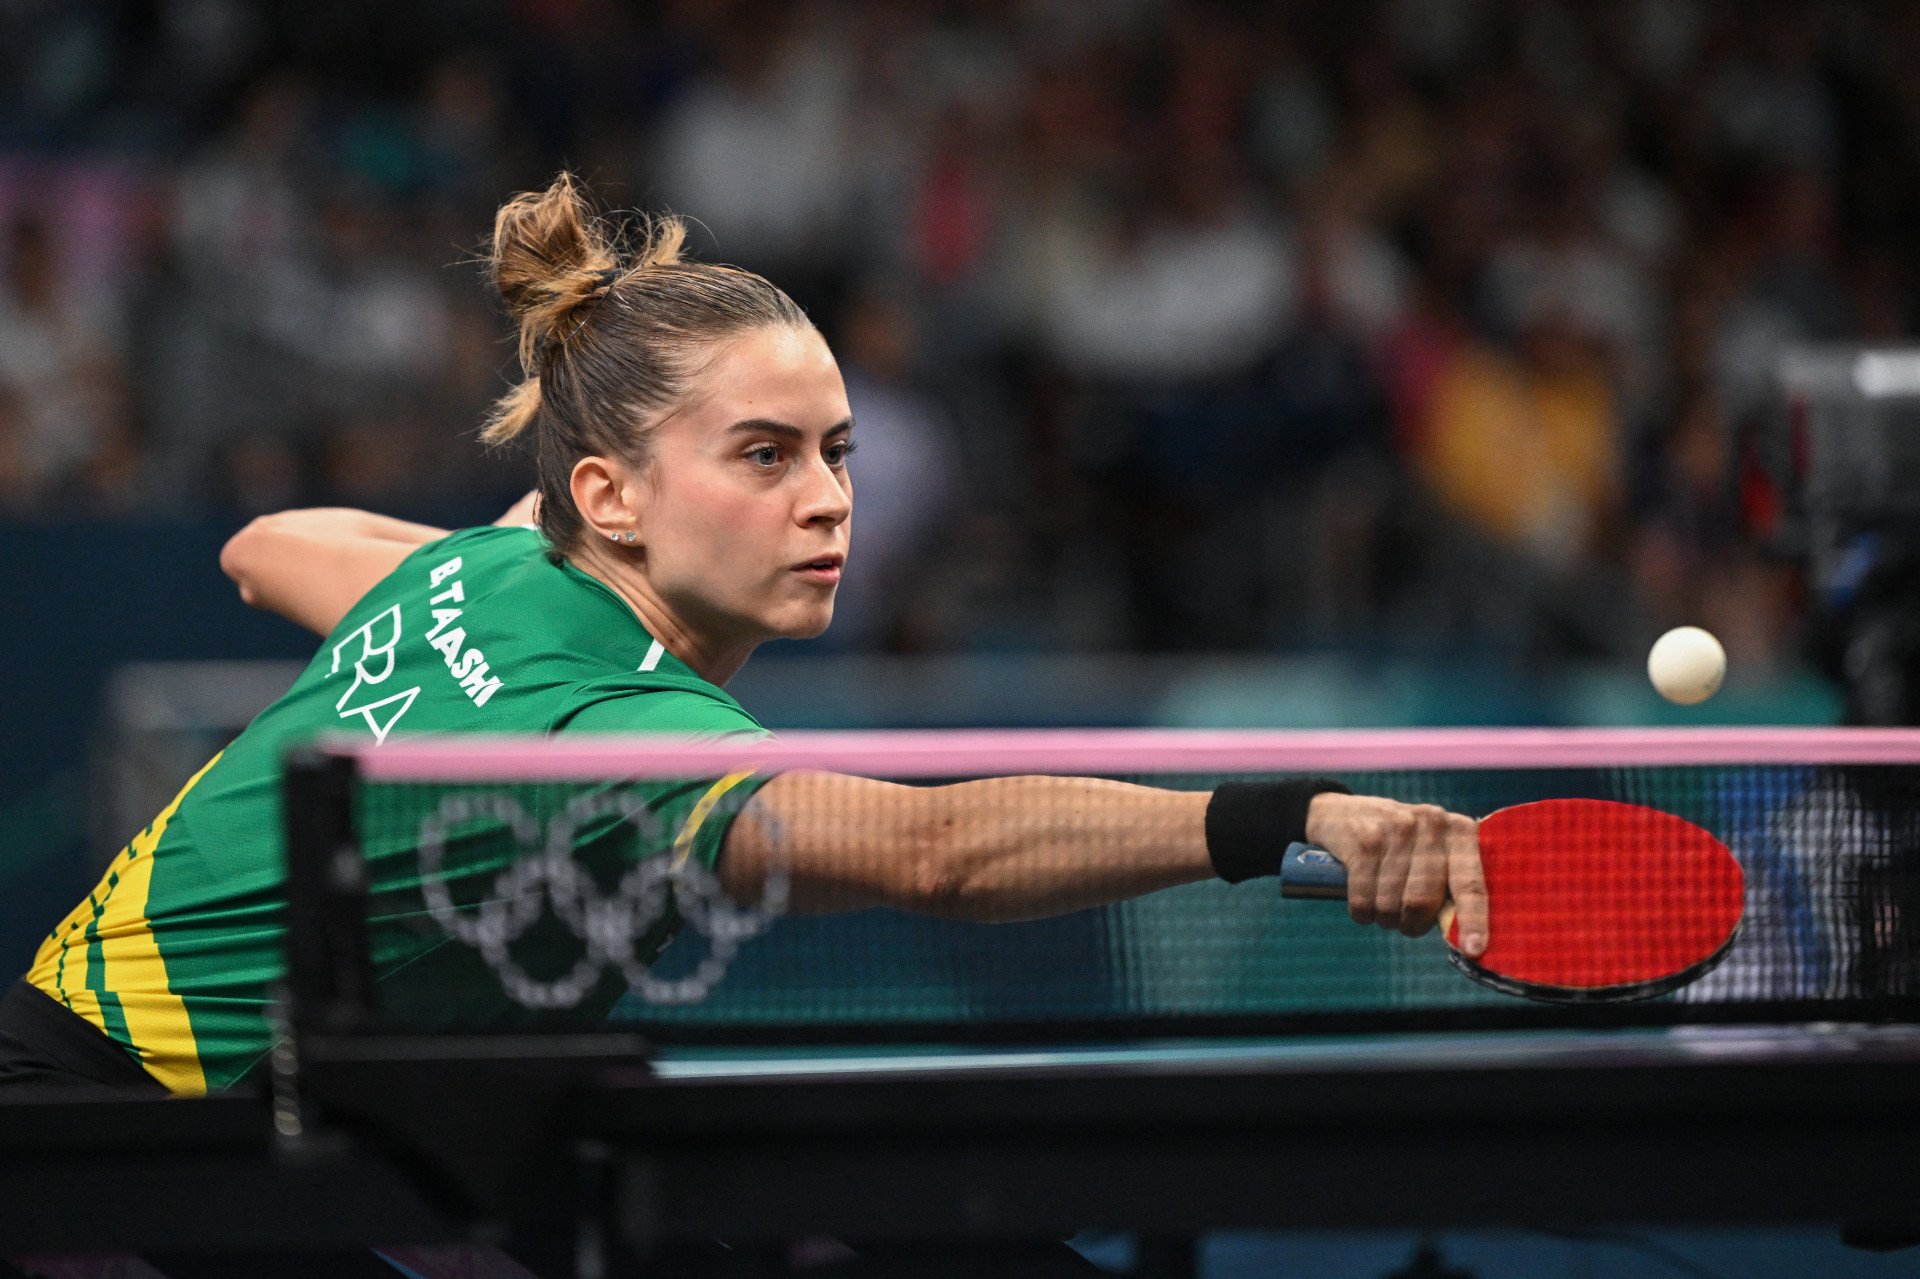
1687, 665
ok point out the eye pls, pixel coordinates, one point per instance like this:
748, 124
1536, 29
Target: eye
764, 455
837, 454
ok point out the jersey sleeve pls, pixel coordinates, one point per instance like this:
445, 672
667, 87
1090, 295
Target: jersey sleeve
697, 814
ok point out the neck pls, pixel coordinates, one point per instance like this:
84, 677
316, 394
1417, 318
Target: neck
624, 573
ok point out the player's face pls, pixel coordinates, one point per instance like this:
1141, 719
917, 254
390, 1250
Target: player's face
748, 496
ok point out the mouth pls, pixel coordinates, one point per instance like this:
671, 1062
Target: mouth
824, 569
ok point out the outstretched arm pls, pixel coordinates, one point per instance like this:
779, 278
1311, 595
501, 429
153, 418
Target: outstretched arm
1023, 847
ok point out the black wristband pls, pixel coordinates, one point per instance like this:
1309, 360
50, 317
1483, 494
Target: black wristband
1250, 824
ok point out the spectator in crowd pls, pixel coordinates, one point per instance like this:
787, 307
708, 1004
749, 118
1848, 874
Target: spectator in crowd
1191, 308
54, 356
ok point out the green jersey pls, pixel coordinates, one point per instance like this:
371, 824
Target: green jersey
175, 952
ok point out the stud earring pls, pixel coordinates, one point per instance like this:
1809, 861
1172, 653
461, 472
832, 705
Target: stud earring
630, 537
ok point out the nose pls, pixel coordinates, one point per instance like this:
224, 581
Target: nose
826, 498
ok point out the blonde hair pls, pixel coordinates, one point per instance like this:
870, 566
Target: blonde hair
611, 324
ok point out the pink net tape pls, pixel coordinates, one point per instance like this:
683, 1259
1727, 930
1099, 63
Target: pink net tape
971, 753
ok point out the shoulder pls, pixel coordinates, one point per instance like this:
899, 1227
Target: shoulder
497, 556
507, 541
655, 702
488, 546
510, 574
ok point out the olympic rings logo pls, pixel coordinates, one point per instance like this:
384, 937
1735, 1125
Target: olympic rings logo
607, 924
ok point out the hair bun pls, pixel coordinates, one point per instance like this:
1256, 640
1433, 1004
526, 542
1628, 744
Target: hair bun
549, 250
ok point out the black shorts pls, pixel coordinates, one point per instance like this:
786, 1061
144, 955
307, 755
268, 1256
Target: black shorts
47, 1047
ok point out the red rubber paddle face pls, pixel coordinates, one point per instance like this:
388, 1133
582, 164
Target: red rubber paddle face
1589, 899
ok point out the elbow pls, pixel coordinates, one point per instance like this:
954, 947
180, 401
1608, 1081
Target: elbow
931, 877
240, 557
933, 884
942, 879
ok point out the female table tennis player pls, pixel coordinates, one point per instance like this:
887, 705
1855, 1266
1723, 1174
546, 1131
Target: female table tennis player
692, 435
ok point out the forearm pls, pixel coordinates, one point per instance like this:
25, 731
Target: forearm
311, 566
997, 849
1026, 847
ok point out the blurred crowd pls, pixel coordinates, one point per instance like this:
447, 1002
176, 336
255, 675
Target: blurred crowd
1413, 324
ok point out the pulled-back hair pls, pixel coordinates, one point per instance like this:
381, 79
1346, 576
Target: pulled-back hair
612, 323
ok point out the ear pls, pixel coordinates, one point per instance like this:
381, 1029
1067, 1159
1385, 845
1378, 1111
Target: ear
608, 496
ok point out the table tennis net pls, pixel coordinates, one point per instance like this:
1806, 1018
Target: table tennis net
526, 886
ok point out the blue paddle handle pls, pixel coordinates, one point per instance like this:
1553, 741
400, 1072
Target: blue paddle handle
1310, 871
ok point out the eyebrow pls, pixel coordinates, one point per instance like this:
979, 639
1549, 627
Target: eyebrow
786, 430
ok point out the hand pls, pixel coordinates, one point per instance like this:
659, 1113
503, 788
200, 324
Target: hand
525, 511
1404, 862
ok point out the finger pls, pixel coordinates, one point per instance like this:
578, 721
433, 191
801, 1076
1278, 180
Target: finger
1467, 885
1427, 872
1362, 859
1389, 891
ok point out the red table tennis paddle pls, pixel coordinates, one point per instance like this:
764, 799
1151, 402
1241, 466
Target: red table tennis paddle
1588, 899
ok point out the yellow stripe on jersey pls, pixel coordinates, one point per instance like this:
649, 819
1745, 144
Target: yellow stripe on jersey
60, 965
683, 842
132, 970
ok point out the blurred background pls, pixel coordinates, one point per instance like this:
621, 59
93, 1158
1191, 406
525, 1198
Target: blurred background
1364, 362
1370, 362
